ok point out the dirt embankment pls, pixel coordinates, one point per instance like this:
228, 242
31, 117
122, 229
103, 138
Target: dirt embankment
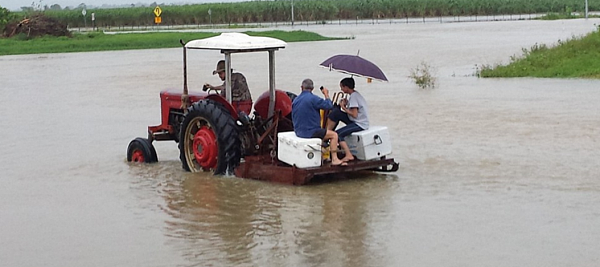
37, 25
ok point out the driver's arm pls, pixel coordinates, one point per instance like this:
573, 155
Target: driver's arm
208, 86
218, 87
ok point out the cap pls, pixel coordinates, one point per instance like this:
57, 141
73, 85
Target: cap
220, 67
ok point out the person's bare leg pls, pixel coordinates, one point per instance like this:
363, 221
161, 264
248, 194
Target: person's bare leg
348, 155
330, 124
333, 146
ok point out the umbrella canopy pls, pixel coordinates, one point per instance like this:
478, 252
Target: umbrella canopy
354, 65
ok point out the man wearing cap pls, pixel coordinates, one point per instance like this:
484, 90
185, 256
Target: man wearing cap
307, 118
241, 98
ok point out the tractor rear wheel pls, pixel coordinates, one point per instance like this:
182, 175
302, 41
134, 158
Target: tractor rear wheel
209, 139
141, 150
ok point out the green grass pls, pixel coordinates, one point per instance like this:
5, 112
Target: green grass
557, 16
101, 42
574, 58
294, 36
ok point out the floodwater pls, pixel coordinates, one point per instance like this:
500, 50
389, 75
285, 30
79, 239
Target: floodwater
493, 172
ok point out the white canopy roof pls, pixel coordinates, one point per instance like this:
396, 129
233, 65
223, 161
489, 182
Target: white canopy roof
236, 41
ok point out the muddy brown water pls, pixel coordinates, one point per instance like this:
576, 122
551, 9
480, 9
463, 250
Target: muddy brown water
493, 172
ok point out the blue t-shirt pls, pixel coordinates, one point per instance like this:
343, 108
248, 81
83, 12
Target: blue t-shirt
305, 113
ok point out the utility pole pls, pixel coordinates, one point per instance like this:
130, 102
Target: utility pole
586, 9
293, 13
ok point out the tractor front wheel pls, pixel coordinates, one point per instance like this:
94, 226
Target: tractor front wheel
209, 140
141, 150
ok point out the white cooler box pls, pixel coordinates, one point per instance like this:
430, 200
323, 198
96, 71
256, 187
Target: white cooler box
372, 143
302, 152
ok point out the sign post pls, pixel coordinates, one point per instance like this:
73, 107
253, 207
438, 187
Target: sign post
93, 20
157, 11
83, 12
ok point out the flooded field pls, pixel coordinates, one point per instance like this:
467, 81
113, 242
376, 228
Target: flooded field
493, 172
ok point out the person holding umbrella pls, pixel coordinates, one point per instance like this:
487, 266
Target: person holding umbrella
353, 112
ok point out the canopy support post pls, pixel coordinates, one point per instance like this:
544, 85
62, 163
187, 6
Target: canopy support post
271, 83
184, 97
228, 93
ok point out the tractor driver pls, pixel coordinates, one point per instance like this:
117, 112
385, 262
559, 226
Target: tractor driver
241, 98
307, 119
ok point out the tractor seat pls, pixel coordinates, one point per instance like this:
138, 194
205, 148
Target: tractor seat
242, 106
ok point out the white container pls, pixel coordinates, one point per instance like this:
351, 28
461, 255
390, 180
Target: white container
302, 152
372, 143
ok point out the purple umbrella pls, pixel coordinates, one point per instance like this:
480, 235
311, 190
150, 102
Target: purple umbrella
354, 65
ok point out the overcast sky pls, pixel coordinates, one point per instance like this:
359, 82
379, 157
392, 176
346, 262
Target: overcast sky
15, 5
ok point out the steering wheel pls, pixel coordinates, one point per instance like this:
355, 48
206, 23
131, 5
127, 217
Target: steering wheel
210, 91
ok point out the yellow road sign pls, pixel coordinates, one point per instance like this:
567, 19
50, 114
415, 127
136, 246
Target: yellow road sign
157, 11
157, 20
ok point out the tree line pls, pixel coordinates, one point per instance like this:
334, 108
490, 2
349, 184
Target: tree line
39, 6
312, 10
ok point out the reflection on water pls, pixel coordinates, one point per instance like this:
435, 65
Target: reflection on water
228, 221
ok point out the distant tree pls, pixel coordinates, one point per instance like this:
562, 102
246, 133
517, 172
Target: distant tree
37, 6
55, 7
5, 18
4, 14
81, 6
27, 9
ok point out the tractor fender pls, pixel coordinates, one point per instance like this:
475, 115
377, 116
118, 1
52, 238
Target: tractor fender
283, 103
218, 98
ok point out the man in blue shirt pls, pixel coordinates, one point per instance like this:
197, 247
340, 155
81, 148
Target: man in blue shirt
307, 119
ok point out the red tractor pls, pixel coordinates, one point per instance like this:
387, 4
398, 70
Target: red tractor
214, 136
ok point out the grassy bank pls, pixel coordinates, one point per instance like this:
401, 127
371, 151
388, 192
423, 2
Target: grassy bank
102, 42
566, 15
574, 58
